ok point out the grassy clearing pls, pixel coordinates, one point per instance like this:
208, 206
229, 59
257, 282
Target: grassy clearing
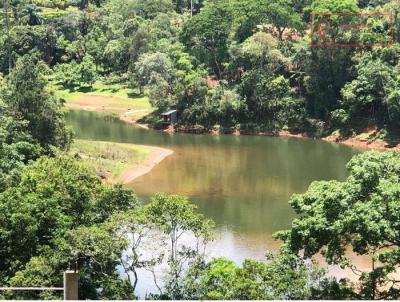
109, 160
50, 13
112, 98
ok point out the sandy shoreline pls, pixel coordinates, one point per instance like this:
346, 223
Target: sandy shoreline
156, 156
354, 142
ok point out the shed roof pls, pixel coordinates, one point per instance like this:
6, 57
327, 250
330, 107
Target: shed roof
169, 112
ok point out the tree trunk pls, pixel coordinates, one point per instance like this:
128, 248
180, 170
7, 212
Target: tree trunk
136, 279
374, 281
84, 4
219, 71
280, 32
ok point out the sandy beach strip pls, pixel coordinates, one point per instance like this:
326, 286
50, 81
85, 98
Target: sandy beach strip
156, 156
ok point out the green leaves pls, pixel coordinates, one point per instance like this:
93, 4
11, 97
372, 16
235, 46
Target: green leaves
72, 75
17, 147
113, 199
56, 213
206, 35
175, 213
29, 95
360, 213
372, 95
282, 16
176, 217
335, 6
282, 276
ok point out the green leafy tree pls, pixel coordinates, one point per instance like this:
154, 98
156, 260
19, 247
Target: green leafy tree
188, 83
325, 70
28, 94
261, 51
246, 15
360, 213
176, 217
148, 9
282, 276
206, 35
57, 210
335, 6
374, 92
87, 70
30, 15
23, 39
114, 199
145, 245
221, 107
17, 147
141, 42
189, 5
96, 251
38, 272
68, 75
324, 73
156, 71
51, 197
95, 44
116, 55
282, 16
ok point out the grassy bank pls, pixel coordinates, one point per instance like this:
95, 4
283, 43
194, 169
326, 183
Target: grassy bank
111, 98
110, 160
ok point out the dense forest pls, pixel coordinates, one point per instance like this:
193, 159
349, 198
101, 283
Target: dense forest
226, 65
244, 65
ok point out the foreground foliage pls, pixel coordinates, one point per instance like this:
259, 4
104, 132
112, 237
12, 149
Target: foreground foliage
54, 196
361, 215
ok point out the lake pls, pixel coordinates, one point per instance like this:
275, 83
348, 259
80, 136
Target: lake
243, 183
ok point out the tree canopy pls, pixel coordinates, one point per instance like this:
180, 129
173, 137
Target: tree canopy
360, 213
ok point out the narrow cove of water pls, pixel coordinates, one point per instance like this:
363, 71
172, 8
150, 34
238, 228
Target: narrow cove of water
243, 183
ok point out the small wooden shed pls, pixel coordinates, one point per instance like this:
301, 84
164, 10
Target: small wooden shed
170, 117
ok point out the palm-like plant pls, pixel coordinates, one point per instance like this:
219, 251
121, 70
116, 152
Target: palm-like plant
30, 15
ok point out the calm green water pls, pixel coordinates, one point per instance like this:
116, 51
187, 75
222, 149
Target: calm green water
242, 183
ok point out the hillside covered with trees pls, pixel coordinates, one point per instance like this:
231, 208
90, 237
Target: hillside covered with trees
229, 65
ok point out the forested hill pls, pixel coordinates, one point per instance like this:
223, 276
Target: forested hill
243, 65
310, 66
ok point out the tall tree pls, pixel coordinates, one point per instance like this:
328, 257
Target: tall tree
206, 35
28, 94
177, 217
372, 97
283, 17
361, 213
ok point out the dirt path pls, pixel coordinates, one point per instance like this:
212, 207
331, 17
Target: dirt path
156, 155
